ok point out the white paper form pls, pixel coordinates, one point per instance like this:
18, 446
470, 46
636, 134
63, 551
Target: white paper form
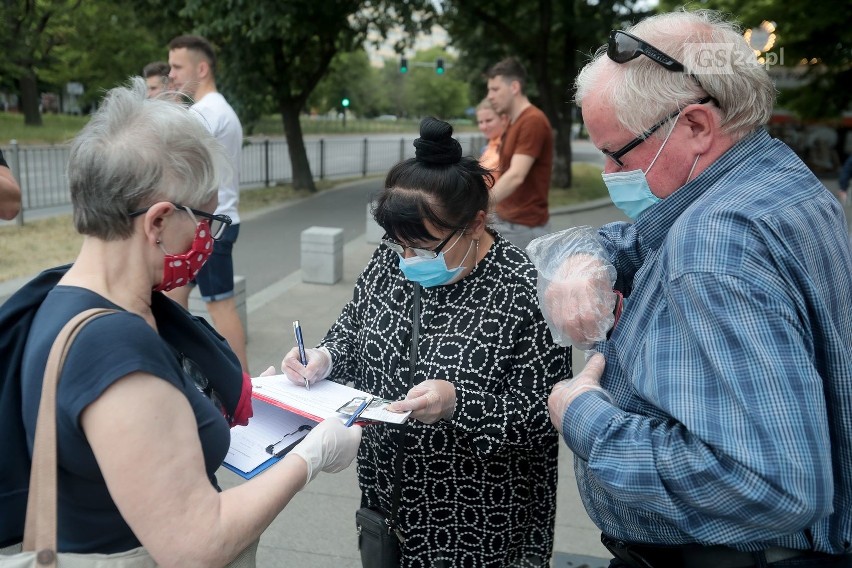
322, 400
268, 425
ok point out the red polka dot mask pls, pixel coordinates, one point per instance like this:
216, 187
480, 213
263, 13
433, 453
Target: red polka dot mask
179, 269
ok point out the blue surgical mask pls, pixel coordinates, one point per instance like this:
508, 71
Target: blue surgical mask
630, 191
430, 272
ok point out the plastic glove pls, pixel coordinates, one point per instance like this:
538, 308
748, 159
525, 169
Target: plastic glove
575, 282
428, 401
329, 447
579, 302
318, 368
564, 392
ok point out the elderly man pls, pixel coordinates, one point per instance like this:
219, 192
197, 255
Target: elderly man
716, 427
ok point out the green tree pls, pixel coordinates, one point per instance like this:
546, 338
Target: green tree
32, 29
547, 36
110, 43
430, 94
350, 75
274, 54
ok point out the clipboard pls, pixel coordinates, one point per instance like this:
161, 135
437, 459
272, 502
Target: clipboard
247, 454
325, 399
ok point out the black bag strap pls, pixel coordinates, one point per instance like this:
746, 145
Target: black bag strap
400, 453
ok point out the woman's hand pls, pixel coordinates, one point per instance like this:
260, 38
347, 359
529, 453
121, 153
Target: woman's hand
430, 401
318, 367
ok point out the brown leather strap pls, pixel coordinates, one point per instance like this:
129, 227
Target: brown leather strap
40, 527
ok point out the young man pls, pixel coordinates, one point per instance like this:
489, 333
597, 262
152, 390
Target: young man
156, 76
526, 157
193, 73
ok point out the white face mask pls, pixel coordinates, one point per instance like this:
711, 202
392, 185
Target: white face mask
630, 191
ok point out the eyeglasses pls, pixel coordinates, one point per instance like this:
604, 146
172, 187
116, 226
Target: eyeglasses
616, 156
623, 47
194, 372
399, 248
217, 223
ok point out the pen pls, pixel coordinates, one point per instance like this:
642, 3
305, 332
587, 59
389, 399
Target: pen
300, 343
361, 408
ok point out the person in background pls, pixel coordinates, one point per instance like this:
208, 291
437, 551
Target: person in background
10, 192
521, 194
141, 425
478, 482
156, 76
714, 428
193, 73
492, 125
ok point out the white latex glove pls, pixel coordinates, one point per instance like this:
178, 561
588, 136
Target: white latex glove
579, 301
329, 447
428, 401
318, 367
564, 392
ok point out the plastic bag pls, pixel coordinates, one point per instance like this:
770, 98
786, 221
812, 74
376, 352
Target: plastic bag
575, 286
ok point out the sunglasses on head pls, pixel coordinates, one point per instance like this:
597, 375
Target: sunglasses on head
623, 47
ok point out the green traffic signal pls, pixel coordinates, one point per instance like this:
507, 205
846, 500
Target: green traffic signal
439, 66
344, 103
403, 65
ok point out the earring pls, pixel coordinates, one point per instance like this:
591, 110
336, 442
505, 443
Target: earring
158, 241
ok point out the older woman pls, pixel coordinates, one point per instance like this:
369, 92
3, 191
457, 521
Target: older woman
140, 424
478, 482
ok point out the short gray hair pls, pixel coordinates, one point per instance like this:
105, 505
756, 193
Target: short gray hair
134, 152
641, 91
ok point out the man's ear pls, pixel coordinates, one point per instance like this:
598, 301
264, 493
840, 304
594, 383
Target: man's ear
203, 68
703, 124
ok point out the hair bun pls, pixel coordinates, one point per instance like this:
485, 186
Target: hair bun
436, 144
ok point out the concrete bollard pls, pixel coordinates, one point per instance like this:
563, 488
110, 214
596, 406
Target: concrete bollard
322, 255
198, 307
374, 230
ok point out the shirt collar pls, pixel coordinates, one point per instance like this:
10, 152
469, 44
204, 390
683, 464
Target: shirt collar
654, 225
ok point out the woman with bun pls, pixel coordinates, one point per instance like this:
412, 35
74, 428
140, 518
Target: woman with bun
478, 475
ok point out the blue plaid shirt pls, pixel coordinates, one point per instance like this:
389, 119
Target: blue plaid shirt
731, 366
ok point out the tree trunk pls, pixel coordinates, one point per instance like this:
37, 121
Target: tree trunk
302, 176
28, 85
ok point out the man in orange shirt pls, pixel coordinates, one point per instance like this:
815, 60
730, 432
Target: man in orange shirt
526, 157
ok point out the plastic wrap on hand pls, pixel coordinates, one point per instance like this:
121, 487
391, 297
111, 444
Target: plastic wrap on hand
575, 286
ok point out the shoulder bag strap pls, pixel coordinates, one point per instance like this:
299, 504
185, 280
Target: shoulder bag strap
400, 453
40, 527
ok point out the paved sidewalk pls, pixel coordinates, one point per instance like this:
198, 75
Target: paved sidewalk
317, 529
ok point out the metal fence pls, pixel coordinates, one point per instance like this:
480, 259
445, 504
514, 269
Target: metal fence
41, 170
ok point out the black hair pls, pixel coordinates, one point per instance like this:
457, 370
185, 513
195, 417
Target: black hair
437, 185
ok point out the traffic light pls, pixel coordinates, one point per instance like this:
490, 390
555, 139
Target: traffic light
439, 66
403, 65
345, 102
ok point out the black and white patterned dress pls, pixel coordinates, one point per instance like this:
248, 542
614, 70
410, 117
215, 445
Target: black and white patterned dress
479, 489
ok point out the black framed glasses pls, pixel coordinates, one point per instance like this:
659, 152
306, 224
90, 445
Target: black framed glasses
623, 47
194, 372
217, 223
399, 248
617, 155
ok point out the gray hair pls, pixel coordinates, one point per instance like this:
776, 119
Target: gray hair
641, 91
134, 152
